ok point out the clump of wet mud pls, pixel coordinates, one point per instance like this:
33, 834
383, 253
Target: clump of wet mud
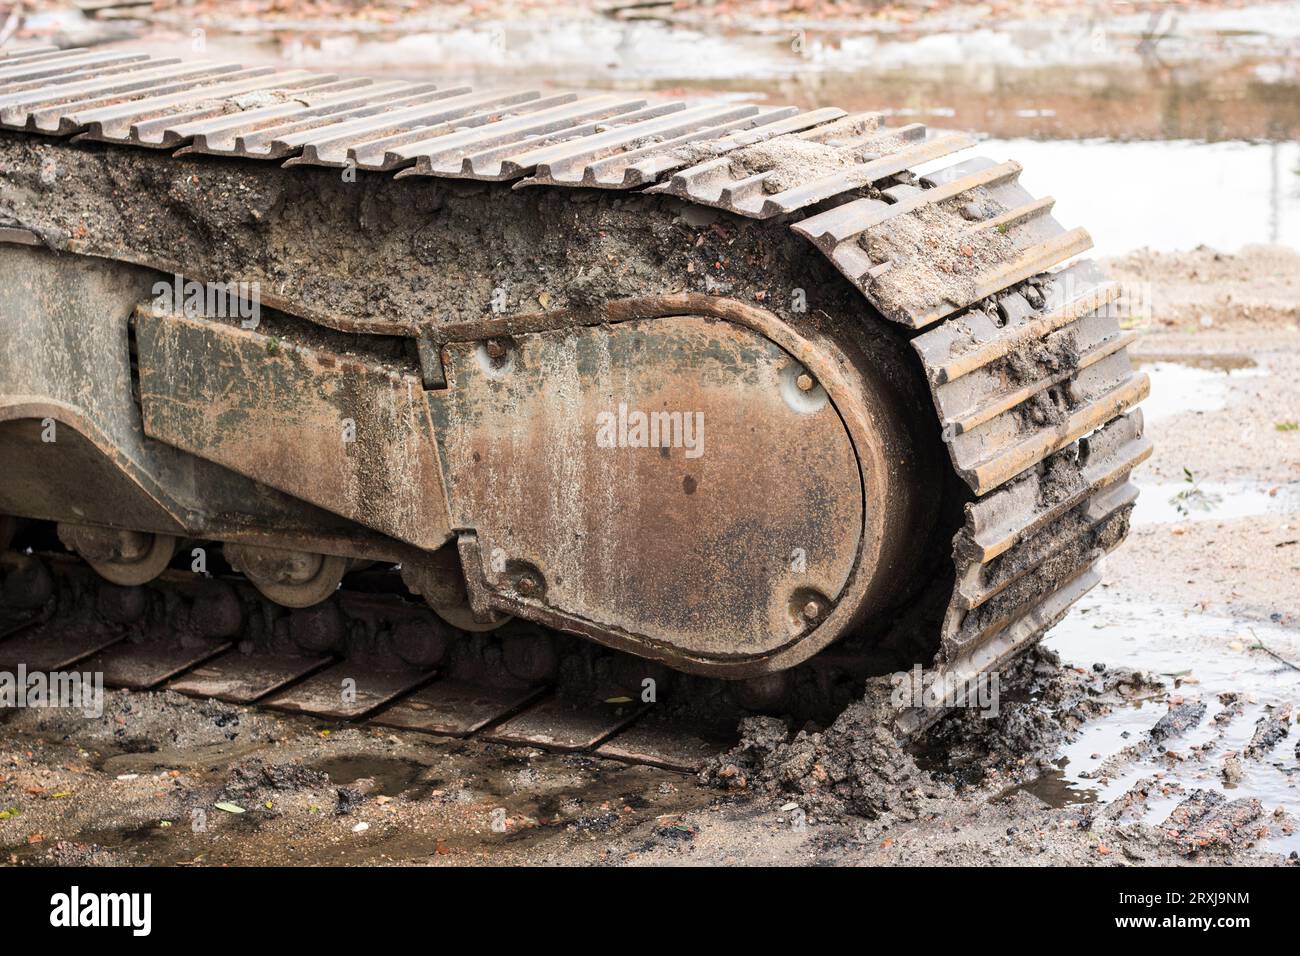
855, 766
252, 780
859, 767
1270, 730
1207, 820
164, 719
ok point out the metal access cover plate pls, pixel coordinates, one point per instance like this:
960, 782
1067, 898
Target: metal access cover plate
306, 421
664, 480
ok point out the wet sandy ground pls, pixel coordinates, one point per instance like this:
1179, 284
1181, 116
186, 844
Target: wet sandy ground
1206, 583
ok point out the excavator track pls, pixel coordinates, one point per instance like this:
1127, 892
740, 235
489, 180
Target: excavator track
362, 658
1017, 341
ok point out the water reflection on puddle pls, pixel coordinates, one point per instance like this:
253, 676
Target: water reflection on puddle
1195, 384
1199, 656
1212, 501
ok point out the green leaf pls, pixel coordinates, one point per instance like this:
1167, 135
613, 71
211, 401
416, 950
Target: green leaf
230, 807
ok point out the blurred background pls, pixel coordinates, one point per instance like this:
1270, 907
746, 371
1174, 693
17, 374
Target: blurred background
1187, 112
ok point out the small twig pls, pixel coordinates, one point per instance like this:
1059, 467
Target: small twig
1273, 654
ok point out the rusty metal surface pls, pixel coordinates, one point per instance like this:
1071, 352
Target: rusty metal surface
149, 663
244, 678
251, 137
322, 694
311, 423
679, 538
58, 366
600, 160
16, 52
560, 724
251, 132
667, 744
108, 109
65, 358
75, 80
644, 165
54, 65
503, 150
1032, 382
1030, 549
177, 124
456, 708
747, 159
55, 647
142, 122
367, 140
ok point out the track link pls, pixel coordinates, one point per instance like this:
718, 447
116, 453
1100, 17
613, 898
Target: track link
349, 660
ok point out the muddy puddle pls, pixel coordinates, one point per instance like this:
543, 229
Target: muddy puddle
1236, 668
1195, 500
1193, 384
382, 776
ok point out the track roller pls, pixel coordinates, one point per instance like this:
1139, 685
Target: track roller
288, 577
126, 558
440, 579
